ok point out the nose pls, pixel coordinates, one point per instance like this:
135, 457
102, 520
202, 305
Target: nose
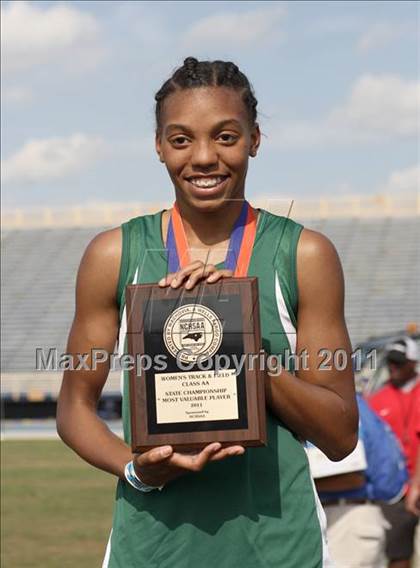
204, 155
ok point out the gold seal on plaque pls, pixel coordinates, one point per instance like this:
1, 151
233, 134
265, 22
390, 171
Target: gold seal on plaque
193, 331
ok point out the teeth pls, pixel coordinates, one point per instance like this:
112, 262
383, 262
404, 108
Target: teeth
206, 182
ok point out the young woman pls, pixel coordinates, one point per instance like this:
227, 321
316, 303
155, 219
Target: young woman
220, 507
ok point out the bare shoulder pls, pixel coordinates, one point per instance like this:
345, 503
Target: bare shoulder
105, 246
313, 245
319, 268
100, 266
315, 251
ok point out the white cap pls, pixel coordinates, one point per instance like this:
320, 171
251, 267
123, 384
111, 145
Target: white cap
407, 347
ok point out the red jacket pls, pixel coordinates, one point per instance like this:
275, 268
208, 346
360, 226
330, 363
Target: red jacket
401, 409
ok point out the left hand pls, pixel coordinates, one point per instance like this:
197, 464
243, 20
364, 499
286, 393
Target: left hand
193, 273
161, 465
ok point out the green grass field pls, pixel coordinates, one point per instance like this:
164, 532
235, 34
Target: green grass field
56, 509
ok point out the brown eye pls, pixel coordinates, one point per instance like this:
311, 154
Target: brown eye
227, 137
179, 141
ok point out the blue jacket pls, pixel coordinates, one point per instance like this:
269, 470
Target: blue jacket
386, 473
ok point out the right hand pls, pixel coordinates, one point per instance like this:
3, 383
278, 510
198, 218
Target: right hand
412, 500
160, 465
193, 273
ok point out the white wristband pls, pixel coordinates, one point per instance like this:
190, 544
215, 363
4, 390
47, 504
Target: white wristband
135, 481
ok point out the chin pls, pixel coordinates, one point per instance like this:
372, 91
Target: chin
207, 201
207, 205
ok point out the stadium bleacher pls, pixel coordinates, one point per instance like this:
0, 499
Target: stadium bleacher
380, 257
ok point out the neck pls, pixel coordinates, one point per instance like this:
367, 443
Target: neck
208, 228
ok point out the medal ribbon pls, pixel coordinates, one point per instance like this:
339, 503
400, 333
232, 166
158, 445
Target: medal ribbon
240, 245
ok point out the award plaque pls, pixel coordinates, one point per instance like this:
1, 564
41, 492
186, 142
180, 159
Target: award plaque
197, 376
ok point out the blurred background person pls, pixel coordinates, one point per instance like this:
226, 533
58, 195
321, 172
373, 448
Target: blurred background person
351, 492
412, 504
398, 403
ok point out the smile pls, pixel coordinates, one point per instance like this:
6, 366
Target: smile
207, 182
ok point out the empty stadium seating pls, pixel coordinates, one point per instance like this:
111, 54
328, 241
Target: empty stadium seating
380, 257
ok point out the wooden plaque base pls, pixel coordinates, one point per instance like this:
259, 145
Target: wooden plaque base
196, 377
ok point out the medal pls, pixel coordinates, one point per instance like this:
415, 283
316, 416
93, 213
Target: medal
240, 245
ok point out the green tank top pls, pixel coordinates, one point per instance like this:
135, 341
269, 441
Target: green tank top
257, 510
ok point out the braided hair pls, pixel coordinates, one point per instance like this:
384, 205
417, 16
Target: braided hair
194, 74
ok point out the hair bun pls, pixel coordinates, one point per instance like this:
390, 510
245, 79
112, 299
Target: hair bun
190, 63
190, 66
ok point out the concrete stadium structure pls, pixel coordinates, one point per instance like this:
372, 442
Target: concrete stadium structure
377, 239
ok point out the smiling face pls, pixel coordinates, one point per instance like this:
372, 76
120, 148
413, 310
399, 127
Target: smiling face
205, 140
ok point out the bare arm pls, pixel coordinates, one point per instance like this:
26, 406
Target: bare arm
412, 500
319, 404
95, 326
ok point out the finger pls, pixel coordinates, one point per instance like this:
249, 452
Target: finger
215, 276
210, 449
179, 275
411, 508
185, 272
194, 462
166, 280
199, 274
156, 455
227, 453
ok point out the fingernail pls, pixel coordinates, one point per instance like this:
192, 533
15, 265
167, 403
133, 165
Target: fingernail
216, 447
174, 283
166, 451
237, 452
162, 281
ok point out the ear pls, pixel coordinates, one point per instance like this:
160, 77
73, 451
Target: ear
255, 140
158, 146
